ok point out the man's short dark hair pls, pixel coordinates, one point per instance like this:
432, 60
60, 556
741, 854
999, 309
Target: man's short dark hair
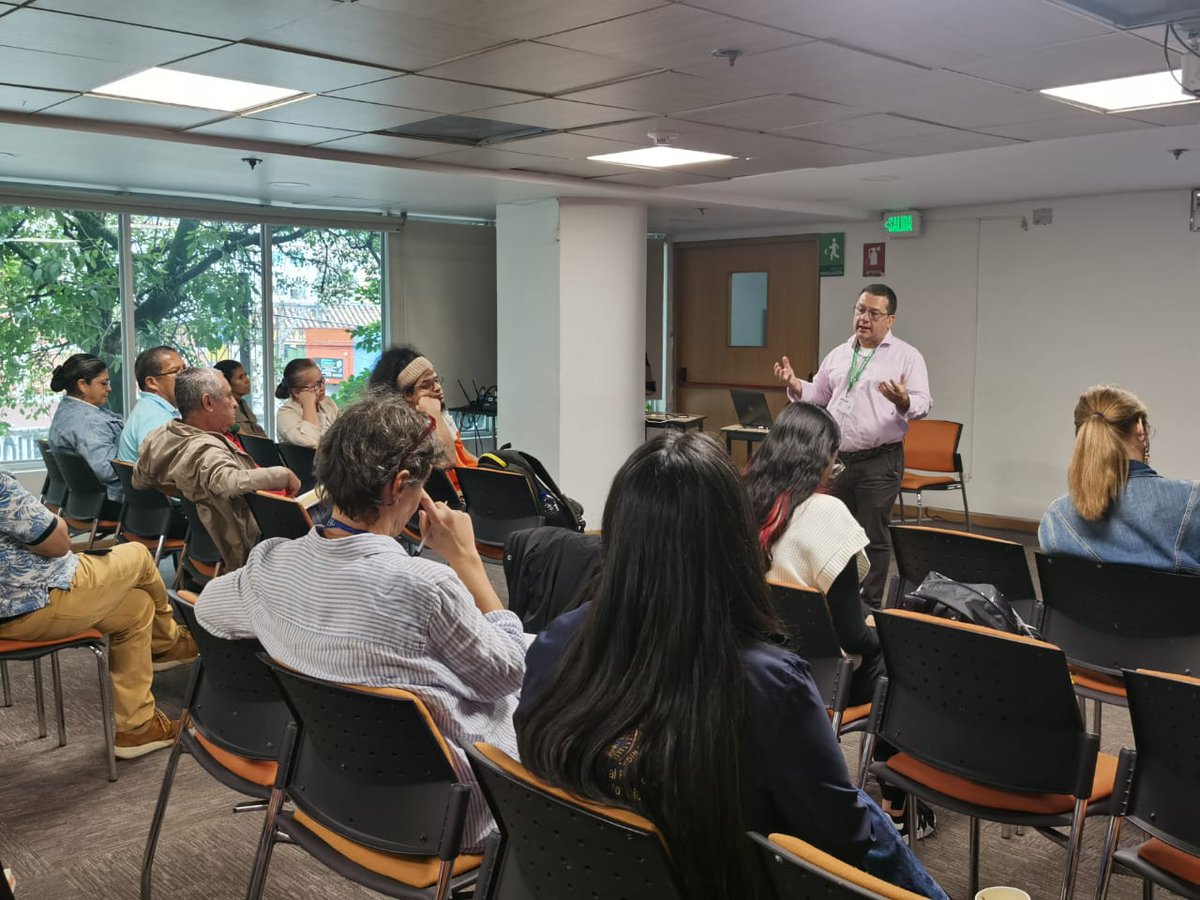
150, 362
882, 290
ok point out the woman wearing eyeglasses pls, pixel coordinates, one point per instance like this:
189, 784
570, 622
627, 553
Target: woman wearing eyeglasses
308, 413
346, 603
84, 425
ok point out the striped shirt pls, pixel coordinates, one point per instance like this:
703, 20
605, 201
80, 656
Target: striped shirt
359, 610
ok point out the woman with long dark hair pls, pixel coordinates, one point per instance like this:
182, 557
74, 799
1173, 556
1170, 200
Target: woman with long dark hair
84, 425
663, 694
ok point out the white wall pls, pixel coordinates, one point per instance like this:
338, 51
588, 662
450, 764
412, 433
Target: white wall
1015, 323
443, 299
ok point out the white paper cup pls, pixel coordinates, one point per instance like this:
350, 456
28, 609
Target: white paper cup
1002, 893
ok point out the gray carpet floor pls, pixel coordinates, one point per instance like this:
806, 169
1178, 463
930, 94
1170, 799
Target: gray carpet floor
71, 835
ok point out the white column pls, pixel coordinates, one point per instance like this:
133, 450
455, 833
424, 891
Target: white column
570, 295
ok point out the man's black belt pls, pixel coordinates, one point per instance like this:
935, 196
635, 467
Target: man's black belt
869, 453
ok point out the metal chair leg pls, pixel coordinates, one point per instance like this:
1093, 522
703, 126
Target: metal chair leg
266, 844
106, 709
250, 806
4, 680
1006, 832
38, 698
160, 808
1097, 714
1147, 889
59, 714
866, 750
973, 877
912, 819
966, 509
1106, 860
920, 505
1074, 841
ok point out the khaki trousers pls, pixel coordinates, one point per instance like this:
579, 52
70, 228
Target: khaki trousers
120, 594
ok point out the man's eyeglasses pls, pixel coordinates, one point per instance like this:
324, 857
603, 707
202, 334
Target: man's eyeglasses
171, 373
430, 383
873, 314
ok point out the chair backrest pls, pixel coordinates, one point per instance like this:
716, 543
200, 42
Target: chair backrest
54, 490
85, 494
262, 450
996, 708
811, 636
560, 846
498, 503
236, 703
370, 765
1166, 779
300, 460
278, 516
439, 487
932, 446
200, 545
969, 558
146, 513
1109, 617
798, 869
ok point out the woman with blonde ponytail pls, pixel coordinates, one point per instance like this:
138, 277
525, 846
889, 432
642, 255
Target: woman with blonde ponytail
1118, 509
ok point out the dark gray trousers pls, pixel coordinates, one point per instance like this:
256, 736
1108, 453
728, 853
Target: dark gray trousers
869, 488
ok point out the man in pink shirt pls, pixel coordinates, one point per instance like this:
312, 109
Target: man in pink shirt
872, 384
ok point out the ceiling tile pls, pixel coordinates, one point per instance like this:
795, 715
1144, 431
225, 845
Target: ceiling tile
134, 47
937, 33
245, 128
1108, 56
352, 115
156, 115
58, 71
985, 109
667, 93
863, 131
486, 158
230, 19
383, 37
518, 18
433, 94
25, 99
538, 68
388, 145
771, 113
949, 142
1185, 114
697, 136
551, 113
652, 178
280, 68
567, 146
673, 37
1068, 126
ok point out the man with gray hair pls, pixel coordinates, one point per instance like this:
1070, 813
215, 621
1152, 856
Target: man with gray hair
195, 456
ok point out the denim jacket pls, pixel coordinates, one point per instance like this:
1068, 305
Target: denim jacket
1156, 524
91, 432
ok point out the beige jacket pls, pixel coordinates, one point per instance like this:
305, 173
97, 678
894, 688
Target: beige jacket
246, 421
292, 429
214, 474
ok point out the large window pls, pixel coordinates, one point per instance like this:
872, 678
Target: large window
196, 285
59, 294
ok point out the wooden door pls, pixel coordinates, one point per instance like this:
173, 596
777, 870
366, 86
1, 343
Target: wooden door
706, 365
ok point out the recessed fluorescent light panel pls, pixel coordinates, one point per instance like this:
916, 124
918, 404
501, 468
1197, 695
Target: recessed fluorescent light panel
659, 157
198, 91
1123, 94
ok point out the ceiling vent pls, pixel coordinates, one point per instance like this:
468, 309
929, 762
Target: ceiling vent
465, 130
1137, 13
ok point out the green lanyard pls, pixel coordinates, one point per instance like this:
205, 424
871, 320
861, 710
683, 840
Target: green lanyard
856, 370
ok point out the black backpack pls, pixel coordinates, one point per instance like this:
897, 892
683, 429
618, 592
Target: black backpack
557, 508
979, 604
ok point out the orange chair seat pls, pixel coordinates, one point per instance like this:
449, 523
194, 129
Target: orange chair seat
1097, 681
7, 646
913, 482
853, 714
86, 524
256, 771
1170, 859
416, 871
996, 798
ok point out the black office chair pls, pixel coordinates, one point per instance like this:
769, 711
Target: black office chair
300, 460
798, 870
145, 516
232, 724
556, 845
374, 794
86, 507
438, 487
499, 503
200, 559
277, 516
54, 487
987, 725
1108, 618
262, 450
1162, 784
965, 557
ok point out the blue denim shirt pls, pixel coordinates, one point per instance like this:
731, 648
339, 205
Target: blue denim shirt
25, 577
91, 432
149, 413
1155, 524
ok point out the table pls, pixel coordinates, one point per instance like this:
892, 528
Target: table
472, 416
676, 421
750, 434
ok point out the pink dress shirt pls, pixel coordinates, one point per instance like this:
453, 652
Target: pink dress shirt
867, 418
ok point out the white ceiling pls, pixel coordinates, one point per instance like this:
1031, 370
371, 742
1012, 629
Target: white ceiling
834, 109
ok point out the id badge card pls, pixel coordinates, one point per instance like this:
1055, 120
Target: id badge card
845, 404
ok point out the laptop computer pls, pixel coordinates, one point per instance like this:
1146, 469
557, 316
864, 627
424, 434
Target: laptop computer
751, 406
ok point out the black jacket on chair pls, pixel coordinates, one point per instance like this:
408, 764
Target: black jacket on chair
546, 568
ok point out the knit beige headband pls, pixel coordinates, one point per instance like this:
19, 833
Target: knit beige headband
409, 374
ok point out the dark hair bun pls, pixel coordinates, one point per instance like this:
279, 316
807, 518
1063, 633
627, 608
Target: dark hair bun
58, 381
281, 390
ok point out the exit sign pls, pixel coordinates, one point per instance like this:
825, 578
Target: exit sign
903, 223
